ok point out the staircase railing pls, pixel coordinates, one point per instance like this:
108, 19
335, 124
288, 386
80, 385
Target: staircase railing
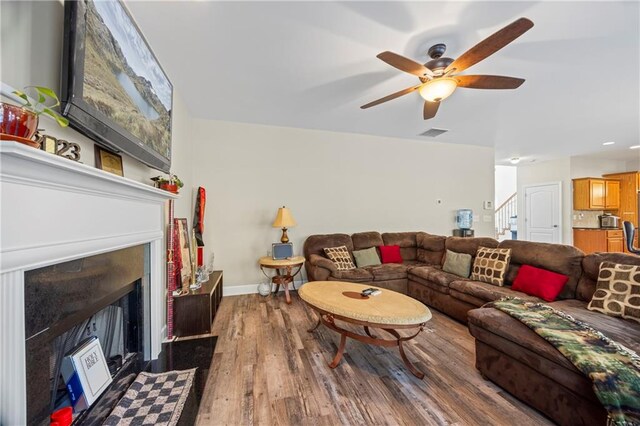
504, 213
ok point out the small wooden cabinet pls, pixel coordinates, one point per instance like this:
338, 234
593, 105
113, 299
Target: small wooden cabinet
193, 313
596, 194
599, 240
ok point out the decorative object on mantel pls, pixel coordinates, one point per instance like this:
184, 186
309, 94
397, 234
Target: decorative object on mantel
61, 147
284, 220
19, 123
171, 184
108, 161
198, 223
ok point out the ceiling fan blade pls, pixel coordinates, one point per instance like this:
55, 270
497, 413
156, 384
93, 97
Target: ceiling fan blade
430, 109
490, 45
406, 64
488, 82
391, 96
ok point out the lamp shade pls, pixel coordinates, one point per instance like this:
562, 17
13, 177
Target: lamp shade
284, 218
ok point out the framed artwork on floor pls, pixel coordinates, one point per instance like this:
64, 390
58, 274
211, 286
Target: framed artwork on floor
183, 253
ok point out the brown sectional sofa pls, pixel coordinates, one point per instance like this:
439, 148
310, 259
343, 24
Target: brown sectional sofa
507, 352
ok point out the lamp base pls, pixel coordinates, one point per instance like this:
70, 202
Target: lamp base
285, 237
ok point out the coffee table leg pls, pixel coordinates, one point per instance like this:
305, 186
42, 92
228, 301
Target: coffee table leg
366, 330
338, 357
419, 374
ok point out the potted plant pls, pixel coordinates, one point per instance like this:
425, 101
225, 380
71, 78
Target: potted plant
171, 184
20, 123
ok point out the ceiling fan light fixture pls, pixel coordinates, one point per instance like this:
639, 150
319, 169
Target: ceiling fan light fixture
438, 89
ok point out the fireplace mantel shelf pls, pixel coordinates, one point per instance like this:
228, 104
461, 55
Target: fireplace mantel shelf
19, 162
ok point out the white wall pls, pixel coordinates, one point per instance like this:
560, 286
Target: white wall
547, 172
506, 183
31, 54
333, 182
595, 167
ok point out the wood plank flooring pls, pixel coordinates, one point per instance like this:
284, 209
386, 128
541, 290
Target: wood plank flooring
268, 370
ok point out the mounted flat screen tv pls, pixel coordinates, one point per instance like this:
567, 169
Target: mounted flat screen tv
113, 88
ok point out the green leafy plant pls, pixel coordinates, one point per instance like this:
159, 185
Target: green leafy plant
43, 95
171, 180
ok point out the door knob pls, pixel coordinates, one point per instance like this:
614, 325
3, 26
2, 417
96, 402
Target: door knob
555, 226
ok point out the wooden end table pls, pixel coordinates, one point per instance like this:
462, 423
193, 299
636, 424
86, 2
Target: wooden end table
389, 311
285, 271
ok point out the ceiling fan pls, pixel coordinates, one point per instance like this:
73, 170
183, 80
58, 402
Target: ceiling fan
438, 77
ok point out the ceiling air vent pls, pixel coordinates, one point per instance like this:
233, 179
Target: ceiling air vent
433, 132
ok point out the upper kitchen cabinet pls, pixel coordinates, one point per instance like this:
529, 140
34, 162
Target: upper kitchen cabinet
596, 194
629, 186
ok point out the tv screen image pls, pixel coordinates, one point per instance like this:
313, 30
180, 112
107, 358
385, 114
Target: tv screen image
114, 89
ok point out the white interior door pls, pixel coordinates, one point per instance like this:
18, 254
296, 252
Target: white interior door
543, 216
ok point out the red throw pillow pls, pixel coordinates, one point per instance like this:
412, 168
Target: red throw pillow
390, 254
539, 282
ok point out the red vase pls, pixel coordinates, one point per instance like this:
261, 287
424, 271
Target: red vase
17, 121
171, 187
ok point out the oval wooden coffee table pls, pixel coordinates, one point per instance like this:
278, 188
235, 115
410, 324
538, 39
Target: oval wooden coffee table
389, 311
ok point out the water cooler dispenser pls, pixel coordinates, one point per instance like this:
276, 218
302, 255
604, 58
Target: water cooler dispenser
464, 222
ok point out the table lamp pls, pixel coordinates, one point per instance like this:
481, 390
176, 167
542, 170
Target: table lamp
284, 220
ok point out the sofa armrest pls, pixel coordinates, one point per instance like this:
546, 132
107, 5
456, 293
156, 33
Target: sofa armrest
323, 262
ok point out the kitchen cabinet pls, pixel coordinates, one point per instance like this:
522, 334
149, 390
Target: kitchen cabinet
596, 194
611, 194
599, 240
628, 206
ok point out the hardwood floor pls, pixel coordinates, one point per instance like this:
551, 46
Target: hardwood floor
267, 369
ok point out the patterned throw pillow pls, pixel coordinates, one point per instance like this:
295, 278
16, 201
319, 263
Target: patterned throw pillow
618, 291
491, 265
341, 257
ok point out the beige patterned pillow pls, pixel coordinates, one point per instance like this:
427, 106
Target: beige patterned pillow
341, 257
618, 291
490, 265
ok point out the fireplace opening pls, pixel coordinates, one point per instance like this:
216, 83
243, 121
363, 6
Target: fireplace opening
103, 297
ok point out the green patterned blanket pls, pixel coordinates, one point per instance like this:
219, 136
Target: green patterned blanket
614, 369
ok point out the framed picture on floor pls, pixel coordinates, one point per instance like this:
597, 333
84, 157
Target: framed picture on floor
183, 253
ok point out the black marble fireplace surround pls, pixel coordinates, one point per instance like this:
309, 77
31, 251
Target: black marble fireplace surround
61, 297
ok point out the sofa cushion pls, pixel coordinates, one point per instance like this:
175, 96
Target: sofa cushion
618, 291
490, 265
488, 292
558, 258
469, 245
390, 254
315, 244
355, 275
591, 269
624, 331
364, 240
457, 264
340, 257
366, 257
405, 240
539, 282
434, 274
430, 248
389, 271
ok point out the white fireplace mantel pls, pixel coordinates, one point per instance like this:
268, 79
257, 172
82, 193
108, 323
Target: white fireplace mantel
53, 210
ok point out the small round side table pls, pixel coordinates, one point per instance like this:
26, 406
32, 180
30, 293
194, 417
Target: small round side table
285, 271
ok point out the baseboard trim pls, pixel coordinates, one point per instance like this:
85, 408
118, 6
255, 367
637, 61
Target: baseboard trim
237, 290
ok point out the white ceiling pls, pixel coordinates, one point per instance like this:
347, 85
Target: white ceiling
312, 64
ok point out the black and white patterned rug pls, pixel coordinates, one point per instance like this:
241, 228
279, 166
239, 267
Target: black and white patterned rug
153, 399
